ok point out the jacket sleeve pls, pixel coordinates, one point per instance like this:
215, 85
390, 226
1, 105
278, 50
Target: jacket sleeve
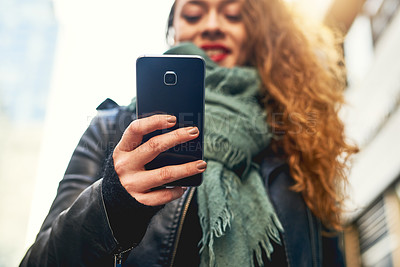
77, 229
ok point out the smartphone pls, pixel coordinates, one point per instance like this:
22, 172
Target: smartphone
173, 85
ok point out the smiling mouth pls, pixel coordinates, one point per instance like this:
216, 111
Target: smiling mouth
216, 52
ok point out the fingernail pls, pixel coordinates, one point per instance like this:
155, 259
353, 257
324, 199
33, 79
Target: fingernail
202, 165
184, 189
171, 119
193, 130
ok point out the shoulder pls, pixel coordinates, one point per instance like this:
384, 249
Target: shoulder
113, 118
110, 110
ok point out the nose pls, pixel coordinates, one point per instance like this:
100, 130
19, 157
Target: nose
212, 28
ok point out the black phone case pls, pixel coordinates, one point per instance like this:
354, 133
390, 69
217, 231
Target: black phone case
156, 93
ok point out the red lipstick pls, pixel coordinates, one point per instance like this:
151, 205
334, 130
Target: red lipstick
217, 52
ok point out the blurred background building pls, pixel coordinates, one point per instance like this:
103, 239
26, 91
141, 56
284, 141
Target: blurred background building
373, 121
59, 59
28, 32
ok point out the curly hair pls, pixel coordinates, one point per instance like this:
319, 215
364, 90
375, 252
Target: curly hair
303, 76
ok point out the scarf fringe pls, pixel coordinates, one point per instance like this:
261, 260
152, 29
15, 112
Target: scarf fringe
217, 230
223, 223
265, 242
264, 245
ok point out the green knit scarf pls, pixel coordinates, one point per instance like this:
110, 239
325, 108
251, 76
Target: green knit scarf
237, 218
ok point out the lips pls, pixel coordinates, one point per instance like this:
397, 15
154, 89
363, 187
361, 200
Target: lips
217, 52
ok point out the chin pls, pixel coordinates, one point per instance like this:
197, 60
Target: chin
226, 63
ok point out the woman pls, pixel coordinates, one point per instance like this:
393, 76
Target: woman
265, 200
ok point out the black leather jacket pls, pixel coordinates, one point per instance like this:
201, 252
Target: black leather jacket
77, 231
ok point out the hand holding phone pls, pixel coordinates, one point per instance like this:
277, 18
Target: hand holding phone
131, 155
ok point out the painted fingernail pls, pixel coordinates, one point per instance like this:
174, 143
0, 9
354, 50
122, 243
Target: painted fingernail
202, 165
193, 130
171, 119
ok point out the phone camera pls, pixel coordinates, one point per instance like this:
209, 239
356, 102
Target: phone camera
170, 78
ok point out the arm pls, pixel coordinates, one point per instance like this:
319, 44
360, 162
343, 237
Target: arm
76, 230
91, 218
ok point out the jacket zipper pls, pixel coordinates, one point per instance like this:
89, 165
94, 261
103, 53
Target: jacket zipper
184, 212
118, 257
118, 260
